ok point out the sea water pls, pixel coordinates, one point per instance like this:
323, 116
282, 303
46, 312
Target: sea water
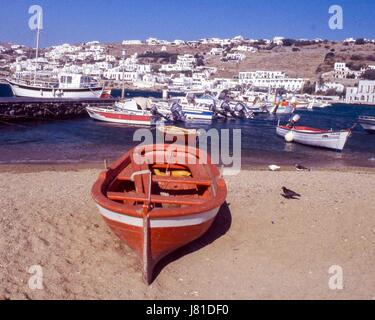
85, 140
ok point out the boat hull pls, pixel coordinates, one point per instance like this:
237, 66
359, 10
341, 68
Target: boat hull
281, 110
166, 235
20, 90
368, 127
367, 124
335, 140
118, 117
198, 115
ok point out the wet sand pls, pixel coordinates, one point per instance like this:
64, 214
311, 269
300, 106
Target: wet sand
261, 246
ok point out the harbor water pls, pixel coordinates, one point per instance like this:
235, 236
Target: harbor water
84, 140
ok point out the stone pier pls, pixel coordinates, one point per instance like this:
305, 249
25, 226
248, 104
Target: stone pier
19, 109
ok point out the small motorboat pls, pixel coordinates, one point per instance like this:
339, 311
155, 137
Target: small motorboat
330, 139
367, 123
157, 198
195, 110
122, 112
281, 109
137, 111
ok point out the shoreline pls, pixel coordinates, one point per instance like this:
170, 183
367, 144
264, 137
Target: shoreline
81, 166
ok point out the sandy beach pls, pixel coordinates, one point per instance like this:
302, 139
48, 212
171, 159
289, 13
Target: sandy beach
261, 245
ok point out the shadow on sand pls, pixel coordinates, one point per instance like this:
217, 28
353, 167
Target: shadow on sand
219, 228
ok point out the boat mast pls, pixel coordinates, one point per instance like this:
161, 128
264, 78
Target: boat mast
37, 48
123, 75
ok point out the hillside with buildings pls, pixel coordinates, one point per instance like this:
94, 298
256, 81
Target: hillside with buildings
293, 65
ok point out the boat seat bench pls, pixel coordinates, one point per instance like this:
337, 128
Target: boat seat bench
172, 179
139, 197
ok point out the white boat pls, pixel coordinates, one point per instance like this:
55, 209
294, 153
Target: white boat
314, 137
367, 123
317, 104
68, 86
195, 111
200, 97
127, 112
281, 109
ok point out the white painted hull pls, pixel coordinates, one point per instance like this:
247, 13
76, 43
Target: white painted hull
367, 123
368, 127
170, 222
198, 115
47, 93
330, 139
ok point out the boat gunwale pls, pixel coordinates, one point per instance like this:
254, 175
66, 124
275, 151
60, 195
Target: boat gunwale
106, 177
312, 130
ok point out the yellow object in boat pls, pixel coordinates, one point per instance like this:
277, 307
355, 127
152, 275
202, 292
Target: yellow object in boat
174, 173
181, 173
159, 173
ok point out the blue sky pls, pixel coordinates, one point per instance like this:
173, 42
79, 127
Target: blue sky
76, 21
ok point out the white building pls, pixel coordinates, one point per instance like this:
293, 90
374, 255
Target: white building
279, 41
131, 42
349, 40
216, 51
119, 75
182, 81
246, 49
271, 79
185, 62
364, 93
338, 87
236, 56
155, 41
246, 76
178, 42
341, 71
152, 41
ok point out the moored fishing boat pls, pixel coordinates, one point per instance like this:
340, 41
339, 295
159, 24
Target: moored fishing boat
200, 109
367, 123
281, 108
193, 113
157, 199
127, 112
67, 86
330, 139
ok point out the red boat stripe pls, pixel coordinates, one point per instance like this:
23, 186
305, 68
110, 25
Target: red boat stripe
124, 116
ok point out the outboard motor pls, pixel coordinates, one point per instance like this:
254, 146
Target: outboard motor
227, 110
212, 107
176, 112
293, 120
242, 111
155, 112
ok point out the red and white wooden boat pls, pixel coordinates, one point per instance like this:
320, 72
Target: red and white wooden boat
162, 203
128, 112
314, 137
